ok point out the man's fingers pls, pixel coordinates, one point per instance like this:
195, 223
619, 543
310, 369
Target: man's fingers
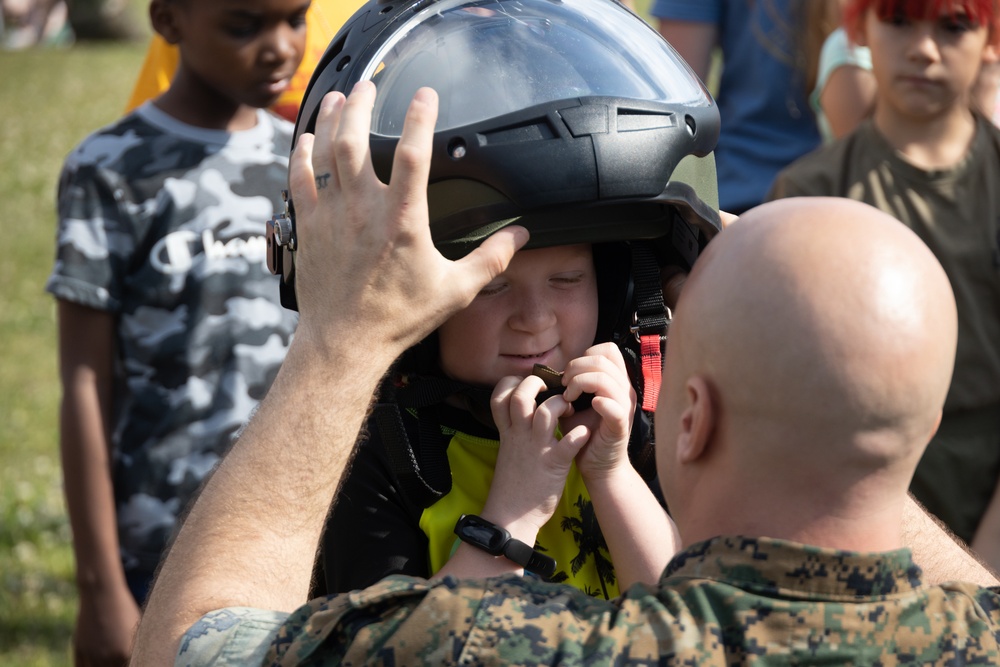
488, 261
351, 143
327, 124
412, 161
301, 175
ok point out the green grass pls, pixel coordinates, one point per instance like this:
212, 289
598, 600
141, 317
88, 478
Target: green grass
49, 100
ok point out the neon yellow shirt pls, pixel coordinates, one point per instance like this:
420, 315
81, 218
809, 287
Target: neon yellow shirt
571, 536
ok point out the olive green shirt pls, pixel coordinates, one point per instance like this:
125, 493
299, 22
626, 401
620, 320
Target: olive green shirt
955, 211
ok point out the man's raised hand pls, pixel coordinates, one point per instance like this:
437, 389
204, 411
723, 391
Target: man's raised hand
365, 261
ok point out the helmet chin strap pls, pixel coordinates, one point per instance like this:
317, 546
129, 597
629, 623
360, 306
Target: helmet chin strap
649, 322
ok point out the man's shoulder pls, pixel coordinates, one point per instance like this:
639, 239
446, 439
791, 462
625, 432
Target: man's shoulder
428, 622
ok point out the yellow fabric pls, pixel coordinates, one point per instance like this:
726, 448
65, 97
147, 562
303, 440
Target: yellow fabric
323, 20
472, 462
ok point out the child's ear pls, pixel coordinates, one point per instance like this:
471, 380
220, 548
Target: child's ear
856, 30
991, 54
161, 16
857, 35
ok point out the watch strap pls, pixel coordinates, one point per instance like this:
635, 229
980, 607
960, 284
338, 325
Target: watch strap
513, 550
530, 559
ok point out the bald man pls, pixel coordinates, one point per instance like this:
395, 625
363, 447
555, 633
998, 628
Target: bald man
804, 374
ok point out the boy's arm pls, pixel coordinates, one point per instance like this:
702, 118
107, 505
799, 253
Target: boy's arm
108, 614
938, 553
640, 535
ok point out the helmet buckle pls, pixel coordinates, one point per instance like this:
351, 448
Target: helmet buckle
280, 234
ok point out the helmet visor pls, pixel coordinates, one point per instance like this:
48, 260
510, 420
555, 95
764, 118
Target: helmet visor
486, 58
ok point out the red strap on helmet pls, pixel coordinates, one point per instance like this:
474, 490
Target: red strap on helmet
652, 364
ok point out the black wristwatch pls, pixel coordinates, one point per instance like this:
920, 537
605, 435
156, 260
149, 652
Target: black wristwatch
496, 541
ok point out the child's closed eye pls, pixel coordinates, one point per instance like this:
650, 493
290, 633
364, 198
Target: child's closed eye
492, 289
567, 280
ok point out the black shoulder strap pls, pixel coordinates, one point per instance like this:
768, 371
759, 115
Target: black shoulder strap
417, 456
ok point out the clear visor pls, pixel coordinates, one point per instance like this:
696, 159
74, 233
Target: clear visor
486, 58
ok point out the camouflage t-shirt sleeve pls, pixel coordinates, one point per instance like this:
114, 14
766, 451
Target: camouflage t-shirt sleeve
231, 636
95, 235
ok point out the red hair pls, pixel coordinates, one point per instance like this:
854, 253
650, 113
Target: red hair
983, 12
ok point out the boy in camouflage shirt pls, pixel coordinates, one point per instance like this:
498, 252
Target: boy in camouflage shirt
170, 325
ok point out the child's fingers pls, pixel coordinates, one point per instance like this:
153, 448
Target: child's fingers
604, 359
543, 430
547, 415
500, 401
600, 383
615, 418
522, 399
573, 441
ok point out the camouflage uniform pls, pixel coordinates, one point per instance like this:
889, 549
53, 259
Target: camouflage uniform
727, 601
162, 225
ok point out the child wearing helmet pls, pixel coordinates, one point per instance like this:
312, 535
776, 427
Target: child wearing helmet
436, 438
603, 154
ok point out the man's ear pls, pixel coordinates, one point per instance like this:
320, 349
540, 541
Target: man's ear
163, 20
697, 422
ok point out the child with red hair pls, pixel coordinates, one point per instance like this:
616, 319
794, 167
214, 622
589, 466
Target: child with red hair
928, 158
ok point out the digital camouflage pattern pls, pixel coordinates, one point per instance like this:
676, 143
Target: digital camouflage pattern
728, 601
162, 225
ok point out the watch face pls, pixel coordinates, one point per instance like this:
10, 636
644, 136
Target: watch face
485, 534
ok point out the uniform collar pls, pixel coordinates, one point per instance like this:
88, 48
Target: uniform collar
791, 570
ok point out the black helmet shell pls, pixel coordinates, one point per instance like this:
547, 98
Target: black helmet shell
573, 118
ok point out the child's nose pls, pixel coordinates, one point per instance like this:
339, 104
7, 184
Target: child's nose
534, 313
924, 46
283, 44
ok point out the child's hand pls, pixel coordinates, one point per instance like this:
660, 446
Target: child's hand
532, 464
601, 371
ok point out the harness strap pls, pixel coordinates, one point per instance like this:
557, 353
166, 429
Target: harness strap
650, 321
421, 467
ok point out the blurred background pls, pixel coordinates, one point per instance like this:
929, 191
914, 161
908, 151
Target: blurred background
53, 92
